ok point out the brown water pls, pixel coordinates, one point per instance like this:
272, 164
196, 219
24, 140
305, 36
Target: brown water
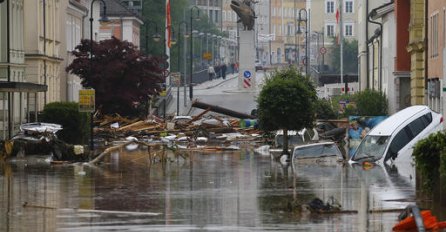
232, 191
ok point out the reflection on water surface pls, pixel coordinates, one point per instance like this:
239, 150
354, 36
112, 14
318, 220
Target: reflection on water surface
231, 191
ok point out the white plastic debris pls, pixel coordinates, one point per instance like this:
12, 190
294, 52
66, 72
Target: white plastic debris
114, 125
78, 149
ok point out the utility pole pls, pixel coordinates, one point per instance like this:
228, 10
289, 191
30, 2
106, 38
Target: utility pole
341, 38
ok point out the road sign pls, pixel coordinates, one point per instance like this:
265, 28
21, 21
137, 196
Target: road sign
176, 78
247, 74
323, 50
247, 79
86, 100
207, 56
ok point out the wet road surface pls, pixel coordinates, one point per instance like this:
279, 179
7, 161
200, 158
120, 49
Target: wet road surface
231, 191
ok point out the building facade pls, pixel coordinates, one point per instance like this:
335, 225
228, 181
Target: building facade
436, 61
77, 11
124, 24
44, 42
383, 77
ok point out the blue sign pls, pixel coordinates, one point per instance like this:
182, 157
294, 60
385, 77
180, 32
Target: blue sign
247, 74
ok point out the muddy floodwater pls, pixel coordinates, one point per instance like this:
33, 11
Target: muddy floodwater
230, 191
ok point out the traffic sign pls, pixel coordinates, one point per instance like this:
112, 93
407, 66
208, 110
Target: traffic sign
247, 74
176, 78
323, 50
207, 56
86, 100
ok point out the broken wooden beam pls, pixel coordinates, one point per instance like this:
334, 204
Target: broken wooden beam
221, 110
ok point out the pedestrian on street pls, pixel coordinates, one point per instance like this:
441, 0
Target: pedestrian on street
223, 71
211, 72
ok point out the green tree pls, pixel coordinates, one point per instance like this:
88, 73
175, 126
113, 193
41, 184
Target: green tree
365, 103
287, 102
371, 103
350, 55
75, 124
324, 109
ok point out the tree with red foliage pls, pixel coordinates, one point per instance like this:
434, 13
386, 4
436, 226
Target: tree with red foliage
124, 80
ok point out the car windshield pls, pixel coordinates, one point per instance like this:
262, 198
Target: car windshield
320, 150
371, 148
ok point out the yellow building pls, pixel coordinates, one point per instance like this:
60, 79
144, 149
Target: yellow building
44, 43
416, 48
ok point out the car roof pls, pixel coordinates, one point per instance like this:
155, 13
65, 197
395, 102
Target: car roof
390, 124
314, 144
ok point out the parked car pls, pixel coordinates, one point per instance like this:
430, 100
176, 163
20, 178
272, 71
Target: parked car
258, 65
296, 137
319, 153
395, 136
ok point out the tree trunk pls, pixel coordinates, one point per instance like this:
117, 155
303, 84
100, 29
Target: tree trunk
221, 110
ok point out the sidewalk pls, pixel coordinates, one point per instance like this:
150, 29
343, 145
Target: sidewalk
185, 109
215, 82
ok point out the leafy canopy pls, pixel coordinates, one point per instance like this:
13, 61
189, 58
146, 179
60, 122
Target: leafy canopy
123, 79
350, 56
368, 102
286, 101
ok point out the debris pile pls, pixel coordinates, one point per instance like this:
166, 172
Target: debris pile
183, 132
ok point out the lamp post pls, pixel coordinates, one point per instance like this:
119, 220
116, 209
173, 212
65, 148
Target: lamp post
299, 20
197, 17
321, 49
102, 19
186, 35
218, 48
201, 35
214, 38
155, 37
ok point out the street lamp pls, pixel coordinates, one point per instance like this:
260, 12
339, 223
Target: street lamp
218, 48
197, 17
201, 35
321, 49
186, 35
155, 37
299, 20
102, 19
214, 38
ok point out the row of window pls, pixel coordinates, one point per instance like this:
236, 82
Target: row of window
211, 2
330, 6
434, 33
329, 29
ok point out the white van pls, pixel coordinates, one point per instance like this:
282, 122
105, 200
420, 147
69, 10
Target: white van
395, 136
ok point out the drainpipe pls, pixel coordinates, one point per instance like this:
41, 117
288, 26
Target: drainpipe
367, 46
8, 60
380, 46
44, 52
426, 46
372, 84
371, 41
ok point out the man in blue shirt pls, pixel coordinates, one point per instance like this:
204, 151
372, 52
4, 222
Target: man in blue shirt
354, 137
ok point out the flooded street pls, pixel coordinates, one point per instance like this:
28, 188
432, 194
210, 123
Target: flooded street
231, 191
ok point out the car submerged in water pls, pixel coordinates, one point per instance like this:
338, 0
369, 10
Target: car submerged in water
395, 137
326, 153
